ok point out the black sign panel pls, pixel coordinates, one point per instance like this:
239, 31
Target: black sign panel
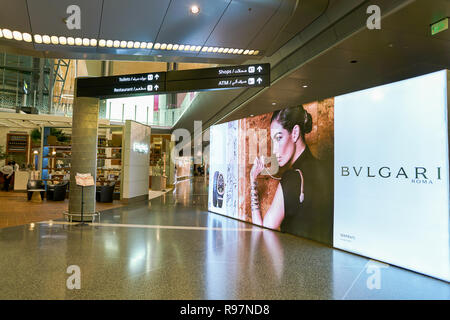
210, 73
124, 90
229, 77
130, 79
218, 83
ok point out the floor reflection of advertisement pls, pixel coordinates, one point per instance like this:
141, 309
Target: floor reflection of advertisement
391, 174
277, 166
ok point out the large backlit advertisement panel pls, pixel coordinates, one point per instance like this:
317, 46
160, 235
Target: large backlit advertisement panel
391, 178
275, 170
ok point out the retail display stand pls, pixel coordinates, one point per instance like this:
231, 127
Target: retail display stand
83, 180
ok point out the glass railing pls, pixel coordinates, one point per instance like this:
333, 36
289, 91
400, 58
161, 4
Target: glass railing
150, 110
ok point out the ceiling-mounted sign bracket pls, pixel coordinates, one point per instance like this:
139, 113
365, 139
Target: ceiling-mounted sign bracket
228, 77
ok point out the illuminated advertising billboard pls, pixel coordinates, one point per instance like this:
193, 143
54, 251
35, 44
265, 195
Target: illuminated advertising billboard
391, 190
275, 170
366, 172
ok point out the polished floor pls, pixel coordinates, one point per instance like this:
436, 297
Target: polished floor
172, 248
15, 209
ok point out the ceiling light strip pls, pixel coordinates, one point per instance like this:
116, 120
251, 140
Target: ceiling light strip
124, 44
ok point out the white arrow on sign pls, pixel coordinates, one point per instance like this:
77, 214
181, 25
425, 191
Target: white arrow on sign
259, 68
156, 87
259, 80
156, 76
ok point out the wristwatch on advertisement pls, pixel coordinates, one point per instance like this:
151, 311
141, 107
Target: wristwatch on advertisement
218, 189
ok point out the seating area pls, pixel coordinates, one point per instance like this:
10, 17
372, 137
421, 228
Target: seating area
105, 193
58, 192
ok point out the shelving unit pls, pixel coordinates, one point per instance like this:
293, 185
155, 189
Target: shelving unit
56, 156
17, 143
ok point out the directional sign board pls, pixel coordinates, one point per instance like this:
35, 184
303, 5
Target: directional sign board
229, 77
143, 83
219, 78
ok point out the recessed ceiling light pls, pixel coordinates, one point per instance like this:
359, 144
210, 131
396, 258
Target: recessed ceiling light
37, 38
63, 40
17, 35
54, 40
27, 37
46, 39
195, 9
7, 34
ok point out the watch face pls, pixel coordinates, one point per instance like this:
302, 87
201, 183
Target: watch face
220, 184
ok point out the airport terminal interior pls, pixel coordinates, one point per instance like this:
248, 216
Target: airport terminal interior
224, 150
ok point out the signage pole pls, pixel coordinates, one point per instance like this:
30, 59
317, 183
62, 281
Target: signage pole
82, 223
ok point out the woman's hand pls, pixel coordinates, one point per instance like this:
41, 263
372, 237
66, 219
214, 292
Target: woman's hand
258, 166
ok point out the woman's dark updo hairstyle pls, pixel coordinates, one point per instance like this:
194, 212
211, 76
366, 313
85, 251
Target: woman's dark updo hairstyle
290, 117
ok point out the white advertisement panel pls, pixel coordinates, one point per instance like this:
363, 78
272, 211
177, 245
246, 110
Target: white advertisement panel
223, 169
391, 172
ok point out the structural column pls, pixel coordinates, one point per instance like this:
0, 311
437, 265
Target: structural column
84, 154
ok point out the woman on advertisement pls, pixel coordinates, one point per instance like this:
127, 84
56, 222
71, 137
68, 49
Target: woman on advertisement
301, 199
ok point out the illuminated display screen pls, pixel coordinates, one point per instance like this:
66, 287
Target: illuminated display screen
391, 174
366, 172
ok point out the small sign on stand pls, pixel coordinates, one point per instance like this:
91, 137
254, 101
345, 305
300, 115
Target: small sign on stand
83, 180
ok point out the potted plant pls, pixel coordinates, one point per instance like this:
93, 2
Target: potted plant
35, 137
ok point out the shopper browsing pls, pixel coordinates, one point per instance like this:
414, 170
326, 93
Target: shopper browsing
8, 171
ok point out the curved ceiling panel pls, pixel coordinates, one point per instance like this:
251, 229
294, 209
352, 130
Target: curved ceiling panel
306, 12
137, 20
251, 25
48, 17
180, 26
